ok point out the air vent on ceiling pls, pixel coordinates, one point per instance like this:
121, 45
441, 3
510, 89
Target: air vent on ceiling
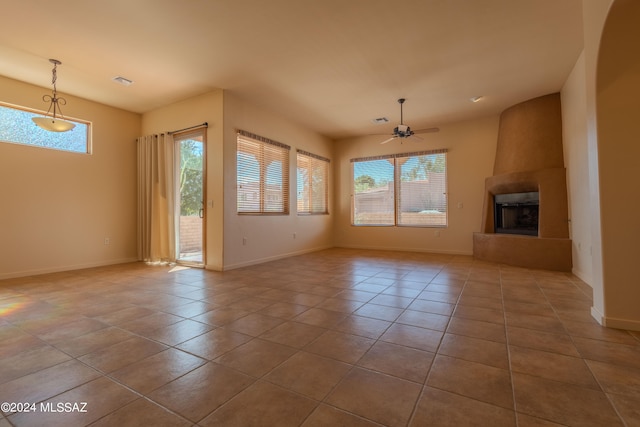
123, 81
380, 120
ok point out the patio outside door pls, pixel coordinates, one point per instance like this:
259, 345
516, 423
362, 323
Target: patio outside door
190, 155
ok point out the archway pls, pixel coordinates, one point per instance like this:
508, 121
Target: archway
618, 119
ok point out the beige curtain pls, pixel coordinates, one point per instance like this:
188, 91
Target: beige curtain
156, 190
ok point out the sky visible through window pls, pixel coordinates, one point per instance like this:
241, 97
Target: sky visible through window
16, 126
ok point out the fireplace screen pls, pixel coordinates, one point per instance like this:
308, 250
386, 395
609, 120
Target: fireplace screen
517, 213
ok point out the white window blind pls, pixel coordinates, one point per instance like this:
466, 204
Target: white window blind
312, 183
408, 189
262, 175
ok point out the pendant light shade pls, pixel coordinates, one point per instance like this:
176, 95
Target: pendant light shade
51, 122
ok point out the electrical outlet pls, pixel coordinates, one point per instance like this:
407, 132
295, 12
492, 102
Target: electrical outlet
436, 233
107, 240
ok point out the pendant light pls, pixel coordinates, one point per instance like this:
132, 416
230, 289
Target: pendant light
52, 122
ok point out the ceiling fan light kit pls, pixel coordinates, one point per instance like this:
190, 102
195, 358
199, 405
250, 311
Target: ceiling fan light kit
403, 131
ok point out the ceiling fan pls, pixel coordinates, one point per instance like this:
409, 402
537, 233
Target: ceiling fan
403, 131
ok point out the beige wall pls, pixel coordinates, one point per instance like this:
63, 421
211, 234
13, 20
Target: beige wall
270, 236
617, 113
472, 148
56, 208
574, 134
191, 112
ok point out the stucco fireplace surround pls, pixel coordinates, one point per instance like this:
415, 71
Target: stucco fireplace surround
529, 159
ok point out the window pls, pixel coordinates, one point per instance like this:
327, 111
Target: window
313, 188
16, 127
262, 175
402, 189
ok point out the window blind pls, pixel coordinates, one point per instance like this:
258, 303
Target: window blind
262, 175
312, 183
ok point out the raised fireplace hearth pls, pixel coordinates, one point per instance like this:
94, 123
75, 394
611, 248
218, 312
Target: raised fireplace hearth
525, 220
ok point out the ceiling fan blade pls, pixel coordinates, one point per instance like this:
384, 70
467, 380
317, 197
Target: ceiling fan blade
388, 140
416, 138
428, 130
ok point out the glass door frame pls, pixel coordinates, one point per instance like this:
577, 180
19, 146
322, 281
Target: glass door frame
179, 137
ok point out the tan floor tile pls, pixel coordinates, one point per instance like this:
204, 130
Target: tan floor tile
354, 295
436, 307
477, 381
270, 406
254, 324
101, 396
119, 355
71, 330
256, 357
443, 409
154, 371
482, 302
214, 343
556, 343
413, 336
477, 329
325, 415
479, 313
201, 391
142, 412
309, 374
552, 366
475, 350
378, 397
363, 326
628, 408
340, 346
391, 301
93, 341
46, 383
563, 403
616, 378
18, 342
221, 316
532, 321
340, 305
179, 332
319, 317
30, 361
380, 312
402, 362
608, 352
144, 325
424, 320
283, 310
525, 420
124, 315
595, 331
293, 334
438, 297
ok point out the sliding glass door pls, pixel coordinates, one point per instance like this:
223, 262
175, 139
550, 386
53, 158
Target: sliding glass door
190, 158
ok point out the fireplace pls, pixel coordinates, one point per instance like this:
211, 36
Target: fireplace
525, 221
517, 213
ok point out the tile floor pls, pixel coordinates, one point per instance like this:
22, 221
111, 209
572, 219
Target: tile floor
337, 337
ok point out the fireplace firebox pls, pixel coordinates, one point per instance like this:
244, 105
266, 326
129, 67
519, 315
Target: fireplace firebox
517, 213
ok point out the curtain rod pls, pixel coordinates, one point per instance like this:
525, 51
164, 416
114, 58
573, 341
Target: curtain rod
205, 124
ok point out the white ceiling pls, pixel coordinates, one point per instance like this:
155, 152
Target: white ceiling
331, 65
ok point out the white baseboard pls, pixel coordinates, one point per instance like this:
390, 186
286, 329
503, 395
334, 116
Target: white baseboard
273, 258
58, 269
615, 323
405, 249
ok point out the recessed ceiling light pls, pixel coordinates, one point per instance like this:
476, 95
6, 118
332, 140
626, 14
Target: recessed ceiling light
123, 81
476, 99
380, 120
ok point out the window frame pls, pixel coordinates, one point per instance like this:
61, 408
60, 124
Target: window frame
32, 111
263, 144
316, 164
396, 190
